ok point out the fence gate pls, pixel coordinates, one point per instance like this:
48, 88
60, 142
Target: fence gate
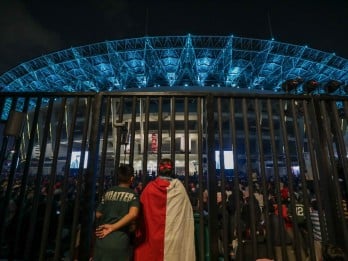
266, 174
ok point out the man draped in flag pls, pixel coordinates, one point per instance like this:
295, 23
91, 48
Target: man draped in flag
166, 230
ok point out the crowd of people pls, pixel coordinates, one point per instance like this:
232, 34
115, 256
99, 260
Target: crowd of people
273, 204
130, 214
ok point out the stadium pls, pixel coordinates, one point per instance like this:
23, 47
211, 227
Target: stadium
219, 106
182, 63
189, 61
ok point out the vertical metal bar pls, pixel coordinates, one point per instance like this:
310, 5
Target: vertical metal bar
211, 179
283, 129
222, 209
202, 228
106, 129
276, 176
249, 175
345, 108
30, 146
19, 227
236, 229
344, 160
30, 237
2, 104
70, 131
88, 202
146, 135
186, 138
172, 130
13, 165
82, 180
49, 202
299, 142
316, 165
132, 130
119, 138
160, 129
2, 158
4, 144
327, 156
258, 114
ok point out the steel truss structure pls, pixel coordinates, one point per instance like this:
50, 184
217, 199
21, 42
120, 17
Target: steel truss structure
153, 62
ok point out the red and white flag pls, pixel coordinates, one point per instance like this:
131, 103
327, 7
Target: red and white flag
166, 231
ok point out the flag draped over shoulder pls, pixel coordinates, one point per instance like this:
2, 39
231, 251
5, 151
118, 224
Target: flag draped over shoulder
167, 227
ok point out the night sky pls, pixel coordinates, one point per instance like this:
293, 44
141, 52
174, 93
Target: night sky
32, 28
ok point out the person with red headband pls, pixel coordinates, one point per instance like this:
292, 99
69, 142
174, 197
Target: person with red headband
166, 227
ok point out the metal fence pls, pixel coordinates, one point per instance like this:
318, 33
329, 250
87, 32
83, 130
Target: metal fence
264, 173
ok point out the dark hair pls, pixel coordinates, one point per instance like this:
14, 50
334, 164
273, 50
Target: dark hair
125, 173
165, 167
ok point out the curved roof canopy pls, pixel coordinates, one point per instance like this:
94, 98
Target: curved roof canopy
153, 62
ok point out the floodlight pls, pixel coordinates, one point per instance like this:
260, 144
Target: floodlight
310, 86
291, 84
332, 86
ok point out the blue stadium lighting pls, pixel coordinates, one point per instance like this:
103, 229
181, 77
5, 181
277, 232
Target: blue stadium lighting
169, 61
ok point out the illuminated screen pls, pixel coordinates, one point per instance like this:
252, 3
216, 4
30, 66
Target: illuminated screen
228, 159
75, 160
295, 170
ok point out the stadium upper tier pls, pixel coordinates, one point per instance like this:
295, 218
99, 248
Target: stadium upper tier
152, 62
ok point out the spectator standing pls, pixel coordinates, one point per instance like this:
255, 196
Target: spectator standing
167, 228
116, 213
278, 228
314, 215
139, 188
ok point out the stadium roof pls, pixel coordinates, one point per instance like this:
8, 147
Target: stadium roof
172, 61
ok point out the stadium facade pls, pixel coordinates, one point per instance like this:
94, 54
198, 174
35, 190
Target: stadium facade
181, 63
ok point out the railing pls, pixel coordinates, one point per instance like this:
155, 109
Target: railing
289, 151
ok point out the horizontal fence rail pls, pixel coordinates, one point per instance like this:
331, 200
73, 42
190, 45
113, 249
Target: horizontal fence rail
266, 174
